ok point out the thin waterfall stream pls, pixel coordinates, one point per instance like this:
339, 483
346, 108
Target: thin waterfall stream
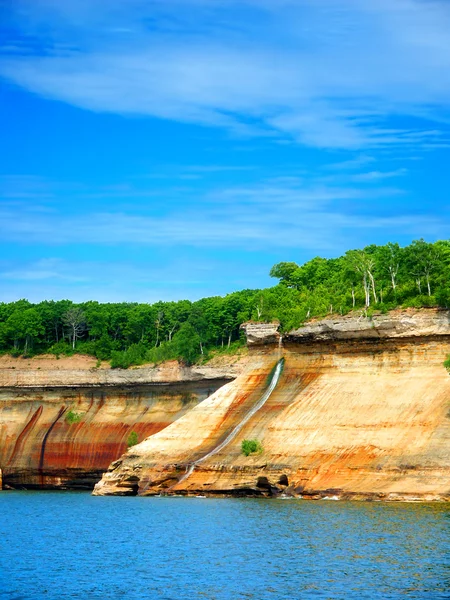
233, 433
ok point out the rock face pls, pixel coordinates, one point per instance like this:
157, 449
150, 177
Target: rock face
355, 414
418, 324
261, 334
170, 372
63, 428
412, 324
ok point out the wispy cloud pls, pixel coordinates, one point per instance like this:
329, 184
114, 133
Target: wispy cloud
43, 269
122, 280
373, 176
311, 216
324, 74
361, 160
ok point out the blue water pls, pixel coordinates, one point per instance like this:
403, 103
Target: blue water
71, 545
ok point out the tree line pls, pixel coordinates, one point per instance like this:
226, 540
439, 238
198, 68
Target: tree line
376, 278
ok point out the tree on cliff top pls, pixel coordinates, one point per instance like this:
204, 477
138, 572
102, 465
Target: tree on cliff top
187, 342
74, 319
384, 277
285, 272
25, 325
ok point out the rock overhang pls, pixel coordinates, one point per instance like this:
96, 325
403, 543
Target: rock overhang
420, 323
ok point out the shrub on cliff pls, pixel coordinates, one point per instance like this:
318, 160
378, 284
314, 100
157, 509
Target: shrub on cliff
251, 447
132, 439
73, 417
61, 347
134, 355
103, 347
447, 363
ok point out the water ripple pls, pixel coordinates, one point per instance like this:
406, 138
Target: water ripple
71, 545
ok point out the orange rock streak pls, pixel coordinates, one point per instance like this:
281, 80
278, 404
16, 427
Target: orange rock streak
347, 419
40, 447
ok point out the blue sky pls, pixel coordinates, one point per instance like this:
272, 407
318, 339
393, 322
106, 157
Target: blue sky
167, 149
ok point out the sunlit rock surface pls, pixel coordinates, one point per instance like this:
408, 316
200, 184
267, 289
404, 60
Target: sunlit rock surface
398, 324
355, 414
261, 334
63, 428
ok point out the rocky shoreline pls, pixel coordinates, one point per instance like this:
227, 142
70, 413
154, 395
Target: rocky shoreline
61, 428
361, 412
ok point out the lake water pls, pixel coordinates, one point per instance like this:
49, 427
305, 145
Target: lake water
71, 545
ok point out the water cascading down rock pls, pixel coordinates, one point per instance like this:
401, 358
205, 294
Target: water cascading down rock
361, 411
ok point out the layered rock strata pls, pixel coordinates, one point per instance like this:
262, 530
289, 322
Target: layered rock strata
170, 372
425, 323
63, 428
261, 334
361, 411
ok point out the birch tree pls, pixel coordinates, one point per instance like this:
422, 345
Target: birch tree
364, 264
423, 259
158, 324
390, 259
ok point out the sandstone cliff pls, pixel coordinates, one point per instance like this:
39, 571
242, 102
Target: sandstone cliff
63, 427
361, 410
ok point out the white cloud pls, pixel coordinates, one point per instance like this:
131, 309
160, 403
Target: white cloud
326, 74
44, 269
373, 176
310, 216
355, 163
124, 281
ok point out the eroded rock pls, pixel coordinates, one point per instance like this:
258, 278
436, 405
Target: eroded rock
349, 413
412, 324
259, 334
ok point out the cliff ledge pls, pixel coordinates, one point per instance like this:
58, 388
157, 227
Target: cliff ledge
361, 411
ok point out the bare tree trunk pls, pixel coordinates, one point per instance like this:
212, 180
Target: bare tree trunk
419, 285
394, 285
229, 340
366, 285
372, 281
260, 308
353, 297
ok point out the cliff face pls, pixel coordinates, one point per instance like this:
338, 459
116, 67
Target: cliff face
170, 372
361, 410
63, 428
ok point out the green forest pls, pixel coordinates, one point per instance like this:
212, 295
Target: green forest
374, 279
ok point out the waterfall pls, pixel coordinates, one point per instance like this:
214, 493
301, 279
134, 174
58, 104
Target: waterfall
233, 433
